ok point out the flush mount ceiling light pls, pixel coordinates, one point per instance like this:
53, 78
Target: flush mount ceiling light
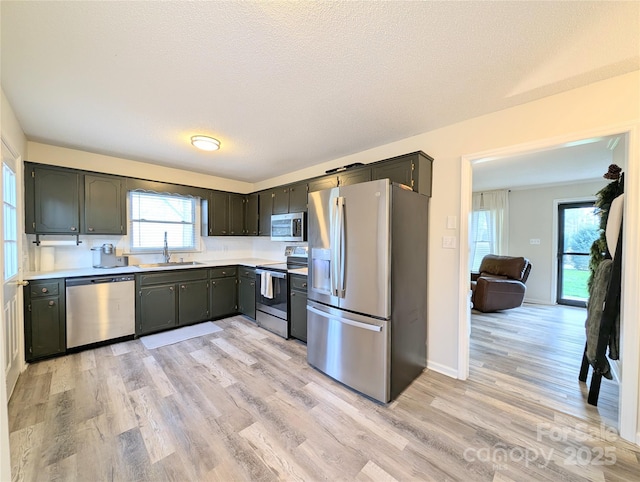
205, 143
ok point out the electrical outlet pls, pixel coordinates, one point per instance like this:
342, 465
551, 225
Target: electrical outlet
534, 241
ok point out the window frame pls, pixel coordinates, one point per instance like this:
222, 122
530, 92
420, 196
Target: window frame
10, 222
155, 249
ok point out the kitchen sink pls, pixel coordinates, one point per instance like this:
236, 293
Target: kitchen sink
170, 263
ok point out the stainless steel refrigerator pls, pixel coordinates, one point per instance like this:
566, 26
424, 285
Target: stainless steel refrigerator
367, 298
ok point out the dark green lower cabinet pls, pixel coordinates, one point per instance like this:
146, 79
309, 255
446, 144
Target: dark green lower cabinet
247, 293
157, 309
45, 333
298, 307
193, 302
223, 297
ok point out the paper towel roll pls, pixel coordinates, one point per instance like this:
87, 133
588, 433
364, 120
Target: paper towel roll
47, 258
54, 242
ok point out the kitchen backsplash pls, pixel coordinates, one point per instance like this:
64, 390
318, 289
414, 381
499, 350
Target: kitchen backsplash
211, 248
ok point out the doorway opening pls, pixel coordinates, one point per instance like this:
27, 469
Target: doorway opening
630, 310
578, 228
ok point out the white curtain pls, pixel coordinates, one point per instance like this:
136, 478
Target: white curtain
489, 225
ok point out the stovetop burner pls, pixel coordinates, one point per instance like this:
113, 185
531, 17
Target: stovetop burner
296, 258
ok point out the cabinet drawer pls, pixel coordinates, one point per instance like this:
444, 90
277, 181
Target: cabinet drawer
298, 283
247, 272
46, 288
172, 277
223, 272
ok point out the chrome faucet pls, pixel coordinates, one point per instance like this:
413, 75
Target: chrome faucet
165, 251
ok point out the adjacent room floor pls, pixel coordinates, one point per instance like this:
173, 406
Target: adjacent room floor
535, 351
243, 404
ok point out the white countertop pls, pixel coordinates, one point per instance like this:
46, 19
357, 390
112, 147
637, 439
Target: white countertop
302, 271
79, 272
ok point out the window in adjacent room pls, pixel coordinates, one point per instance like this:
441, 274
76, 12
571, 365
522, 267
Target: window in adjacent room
153, 214
489, 218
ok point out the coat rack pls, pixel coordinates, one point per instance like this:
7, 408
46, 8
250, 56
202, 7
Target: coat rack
610, 311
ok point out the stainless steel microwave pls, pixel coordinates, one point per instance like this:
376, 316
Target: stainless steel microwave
289, 227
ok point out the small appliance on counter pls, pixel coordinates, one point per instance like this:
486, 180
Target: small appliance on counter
105, 257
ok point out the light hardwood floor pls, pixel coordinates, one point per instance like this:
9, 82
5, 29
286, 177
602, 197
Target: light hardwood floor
536, 351
242, 404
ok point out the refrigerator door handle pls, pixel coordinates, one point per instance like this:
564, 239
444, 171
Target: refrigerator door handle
342, 248
345, 321
335, 247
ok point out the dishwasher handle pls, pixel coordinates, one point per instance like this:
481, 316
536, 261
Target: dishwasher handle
98, 280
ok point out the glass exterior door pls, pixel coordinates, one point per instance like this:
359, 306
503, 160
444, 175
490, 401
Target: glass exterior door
579, 227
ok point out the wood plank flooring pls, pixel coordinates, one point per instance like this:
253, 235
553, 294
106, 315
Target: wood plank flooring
243, 404
536, 351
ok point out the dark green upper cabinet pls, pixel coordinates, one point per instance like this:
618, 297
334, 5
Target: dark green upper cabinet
325, 182
298, 197
66, 201
104, 205
219, 214
251, 215
229, 214
354, 176
236, 214
280, 200
52, 200
413, 170
265, 201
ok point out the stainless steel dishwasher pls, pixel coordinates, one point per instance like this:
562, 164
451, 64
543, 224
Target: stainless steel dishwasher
99, 308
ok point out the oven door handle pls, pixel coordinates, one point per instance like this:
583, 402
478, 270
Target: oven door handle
274, 274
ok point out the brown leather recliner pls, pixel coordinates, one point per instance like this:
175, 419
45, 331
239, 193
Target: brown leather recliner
500, 283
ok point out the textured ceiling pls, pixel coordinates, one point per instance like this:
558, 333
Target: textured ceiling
581, 161
288, 85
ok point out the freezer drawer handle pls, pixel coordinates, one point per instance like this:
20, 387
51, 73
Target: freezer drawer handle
346, 321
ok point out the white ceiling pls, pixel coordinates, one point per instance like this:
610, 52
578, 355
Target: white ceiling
580, 161
289, 85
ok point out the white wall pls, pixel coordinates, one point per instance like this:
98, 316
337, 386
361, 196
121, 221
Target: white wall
14, 137
73, 158
602, 104
531, 216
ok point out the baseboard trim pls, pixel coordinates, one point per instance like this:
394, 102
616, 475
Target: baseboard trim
445, 370
535, 301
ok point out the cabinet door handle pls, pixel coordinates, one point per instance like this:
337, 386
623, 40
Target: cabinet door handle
224, 232
45, 290
213, 283
252, 284
52, 303
183, 287
292, 293
73, 228
90, 229
170, 288
304, 285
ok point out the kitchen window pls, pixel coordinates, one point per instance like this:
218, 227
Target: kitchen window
153, 214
